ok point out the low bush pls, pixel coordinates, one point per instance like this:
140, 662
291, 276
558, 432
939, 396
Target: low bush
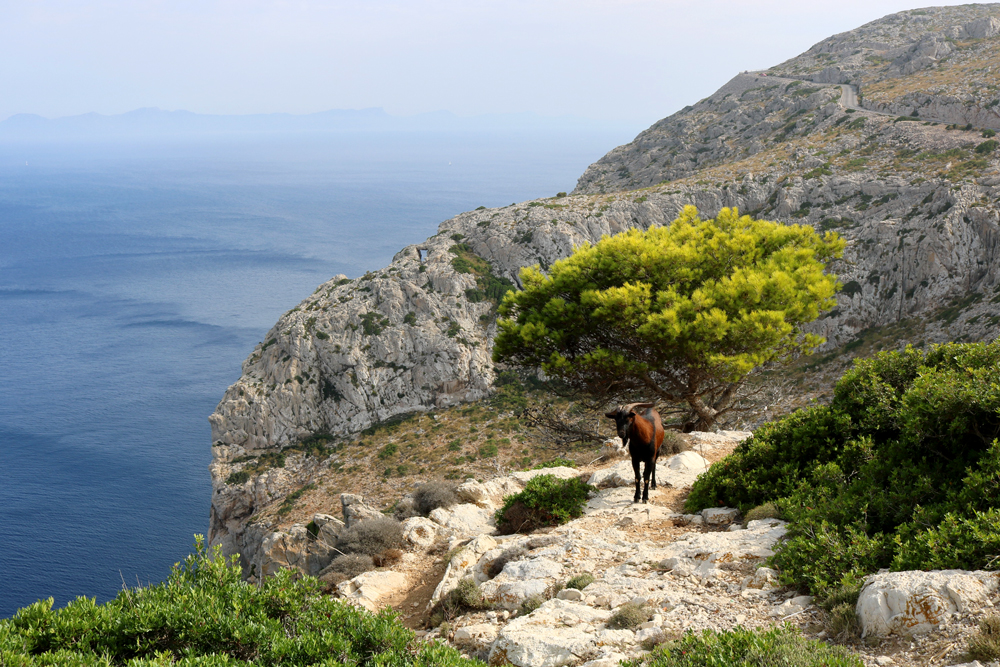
545, 501
900, 470
371, 537
985, 644
432, 495
629, 615
673, 443
765, 511
350, 565
580, 581
776, 646
530, 604
465, 597
205, 614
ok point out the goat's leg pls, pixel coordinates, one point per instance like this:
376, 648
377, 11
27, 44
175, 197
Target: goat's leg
653, 476
645, 478
638, 479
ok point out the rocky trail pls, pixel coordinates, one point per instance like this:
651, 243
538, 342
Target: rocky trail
682, 572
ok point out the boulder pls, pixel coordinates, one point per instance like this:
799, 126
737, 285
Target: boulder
465, 520
681, 470
369, 588
914, 602
461, 564
620, 474
489, 495
558, 633
355, 509
719, 516
478, 633
520, 580
420, 531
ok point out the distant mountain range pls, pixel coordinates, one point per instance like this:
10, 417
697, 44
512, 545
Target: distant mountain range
153, 123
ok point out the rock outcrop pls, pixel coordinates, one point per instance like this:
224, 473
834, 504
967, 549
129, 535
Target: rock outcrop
916, 201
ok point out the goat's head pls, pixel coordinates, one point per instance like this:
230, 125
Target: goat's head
624, 416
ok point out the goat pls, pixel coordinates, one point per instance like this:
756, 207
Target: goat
643, 435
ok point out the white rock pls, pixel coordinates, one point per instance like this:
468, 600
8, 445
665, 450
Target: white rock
570, 594
521, 580
465, 520
915, 602
734, 527
544, 638
618, 475
479, 633
420, 531
532, 568
681, 469
884, 660
489, 495
368, 588
561, 472
719, 516
763, 577
646, 633
461, 564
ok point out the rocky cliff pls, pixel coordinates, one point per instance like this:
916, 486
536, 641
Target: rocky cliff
918, 201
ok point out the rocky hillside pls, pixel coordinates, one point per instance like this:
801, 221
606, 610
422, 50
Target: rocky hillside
918, 201
624, 578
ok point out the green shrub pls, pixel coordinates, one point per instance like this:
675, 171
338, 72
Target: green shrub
371, 536
985, 644
989, 133
238, 477
580, 581
557, 462
629, 615
489, 450
388, 450
530, 604
205, 614
741, 647
545, 501
432, 495
766, 511
901, 470
987, 146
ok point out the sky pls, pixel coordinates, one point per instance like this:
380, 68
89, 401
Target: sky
615, 60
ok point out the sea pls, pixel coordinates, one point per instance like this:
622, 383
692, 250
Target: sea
135, 277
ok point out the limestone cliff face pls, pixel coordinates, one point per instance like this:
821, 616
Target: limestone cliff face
919, 205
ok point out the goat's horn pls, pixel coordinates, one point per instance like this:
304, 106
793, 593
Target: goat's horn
632, 406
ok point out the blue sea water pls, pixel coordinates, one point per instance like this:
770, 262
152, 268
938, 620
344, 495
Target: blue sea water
134, 279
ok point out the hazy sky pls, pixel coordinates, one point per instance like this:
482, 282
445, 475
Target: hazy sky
635, 60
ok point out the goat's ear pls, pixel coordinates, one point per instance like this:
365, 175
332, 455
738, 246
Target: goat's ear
611, 415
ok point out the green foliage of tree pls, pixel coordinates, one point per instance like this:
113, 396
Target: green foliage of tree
204, 614
682, 313
901, 470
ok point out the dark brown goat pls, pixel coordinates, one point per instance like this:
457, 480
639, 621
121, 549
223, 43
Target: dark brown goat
643, 434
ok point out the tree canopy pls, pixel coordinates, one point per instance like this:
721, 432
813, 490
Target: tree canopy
682, 313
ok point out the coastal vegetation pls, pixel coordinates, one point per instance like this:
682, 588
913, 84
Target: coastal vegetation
205, 614
901, 470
